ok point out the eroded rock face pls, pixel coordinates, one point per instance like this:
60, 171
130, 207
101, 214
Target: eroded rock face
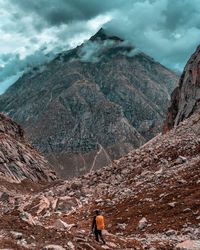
84, 111
186, 97
18, 159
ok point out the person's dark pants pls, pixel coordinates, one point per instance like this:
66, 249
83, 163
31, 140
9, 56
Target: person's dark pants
98, 233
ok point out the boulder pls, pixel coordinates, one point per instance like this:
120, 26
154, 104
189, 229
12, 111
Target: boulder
54, 247
189, 245
142, 223
180, 160
4, 197
16, 235
66, 203
71, 245
172, 204
76, 185
60, 225
121, 226
170, 232
43, 205
27, 218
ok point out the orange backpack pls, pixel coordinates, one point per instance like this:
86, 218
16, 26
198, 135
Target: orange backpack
100, 222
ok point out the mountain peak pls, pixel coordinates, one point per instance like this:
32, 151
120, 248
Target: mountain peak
103, 34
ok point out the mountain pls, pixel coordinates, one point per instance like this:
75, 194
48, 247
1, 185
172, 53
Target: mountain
92, 104
185, 98
150, 200
18, 159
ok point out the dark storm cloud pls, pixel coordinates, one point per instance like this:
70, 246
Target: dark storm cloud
162, 28
14, 66
178, 14
56, 12
6, 57
167, 30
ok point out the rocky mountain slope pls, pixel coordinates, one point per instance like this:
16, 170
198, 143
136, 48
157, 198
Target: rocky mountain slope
92, 104
18, 159
186, 97
150, 200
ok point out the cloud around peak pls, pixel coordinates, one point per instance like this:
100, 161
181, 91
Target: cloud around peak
167, 30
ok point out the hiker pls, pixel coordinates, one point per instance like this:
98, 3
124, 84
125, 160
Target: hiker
98, 226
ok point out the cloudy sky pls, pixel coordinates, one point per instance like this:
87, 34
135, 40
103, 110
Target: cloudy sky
33, 31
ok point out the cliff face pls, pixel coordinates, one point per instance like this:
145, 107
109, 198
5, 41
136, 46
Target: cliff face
91, 104
186, 97
18, 160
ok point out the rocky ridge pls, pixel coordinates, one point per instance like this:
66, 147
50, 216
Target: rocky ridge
92, 104
18, 159
185, 98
